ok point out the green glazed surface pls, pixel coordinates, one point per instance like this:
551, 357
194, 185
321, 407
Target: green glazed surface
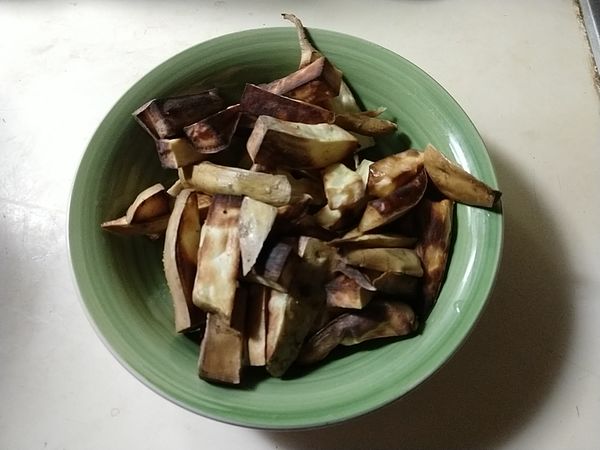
121, 280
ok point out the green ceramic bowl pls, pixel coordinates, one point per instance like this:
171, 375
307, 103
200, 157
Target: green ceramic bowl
121, 280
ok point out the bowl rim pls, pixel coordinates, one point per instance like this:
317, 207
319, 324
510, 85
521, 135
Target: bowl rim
460, 338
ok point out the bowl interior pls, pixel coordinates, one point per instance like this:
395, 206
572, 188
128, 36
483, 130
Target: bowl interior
121, 280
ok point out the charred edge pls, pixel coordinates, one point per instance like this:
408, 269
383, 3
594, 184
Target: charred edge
408, 194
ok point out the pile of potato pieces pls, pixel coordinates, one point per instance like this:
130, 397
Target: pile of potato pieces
301, 246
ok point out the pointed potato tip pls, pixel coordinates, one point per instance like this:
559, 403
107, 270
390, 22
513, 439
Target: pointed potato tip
496, 199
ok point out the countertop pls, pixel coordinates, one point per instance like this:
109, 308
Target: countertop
528, 375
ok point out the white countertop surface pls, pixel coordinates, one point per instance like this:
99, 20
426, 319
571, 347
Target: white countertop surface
529, 374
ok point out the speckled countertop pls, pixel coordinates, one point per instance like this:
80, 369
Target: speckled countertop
529, 374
